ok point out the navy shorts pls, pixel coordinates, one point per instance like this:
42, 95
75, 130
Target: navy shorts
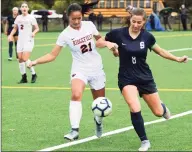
9, 32
147, 88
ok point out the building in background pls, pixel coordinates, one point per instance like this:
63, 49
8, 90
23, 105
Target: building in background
117, 7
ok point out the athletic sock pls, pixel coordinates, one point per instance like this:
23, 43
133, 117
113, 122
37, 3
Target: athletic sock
138, 124
75, 113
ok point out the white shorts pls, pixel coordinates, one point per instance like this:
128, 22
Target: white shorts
96, 82
25, 46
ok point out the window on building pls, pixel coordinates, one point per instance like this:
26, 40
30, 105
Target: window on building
141, 4
135, 3
115, 4
121, 3
102, 4
128, 2
148, 3
108, 4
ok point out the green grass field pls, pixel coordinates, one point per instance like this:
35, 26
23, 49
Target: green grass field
35, 116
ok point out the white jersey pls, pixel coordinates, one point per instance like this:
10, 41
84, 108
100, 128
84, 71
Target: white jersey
25, 26
86, 59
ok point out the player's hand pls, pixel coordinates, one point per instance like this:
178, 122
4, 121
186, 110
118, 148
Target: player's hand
33, 35
112, 46
5, 33
32, 63
183, 59
10, 38
116, 53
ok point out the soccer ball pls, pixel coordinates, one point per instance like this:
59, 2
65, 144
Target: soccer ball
102, 107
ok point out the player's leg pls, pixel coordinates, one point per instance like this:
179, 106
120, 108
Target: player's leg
22, 67
150, 95
26, 57
155, 104
130, 93
15, 40
10, 50
78, 83
97, 85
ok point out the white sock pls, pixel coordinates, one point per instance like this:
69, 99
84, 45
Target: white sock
22, 68
32, 68
75, 113
99, 119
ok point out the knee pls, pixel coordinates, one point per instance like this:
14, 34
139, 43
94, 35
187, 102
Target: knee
134, 106
76, 96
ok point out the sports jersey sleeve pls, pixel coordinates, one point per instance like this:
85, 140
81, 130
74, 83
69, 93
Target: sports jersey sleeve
151, 41
61, 40
94, 29
33, 20
109, 37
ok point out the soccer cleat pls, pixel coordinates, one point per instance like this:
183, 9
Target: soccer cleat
99, 129
23, 79
9, 59
145, 145
34, 78
167, 114
73, 135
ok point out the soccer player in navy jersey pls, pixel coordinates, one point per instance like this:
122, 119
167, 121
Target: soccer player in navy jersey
8, 28
135, 75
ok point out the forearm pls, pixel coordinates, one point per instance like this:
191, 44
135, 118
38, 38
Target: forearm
101, 43
45, 59
167, 55
35, 31
13, 32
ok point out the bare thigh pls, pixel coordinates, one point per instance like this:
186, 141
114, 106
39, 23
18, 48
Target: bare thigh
77, 88
130, 95
154, 103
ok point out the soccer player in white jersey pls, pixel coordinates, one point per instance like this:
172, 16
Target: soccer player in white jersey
25, 23
87, 65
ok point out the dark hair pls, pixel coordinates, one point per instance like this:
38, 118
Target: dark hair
135, 11
73, 8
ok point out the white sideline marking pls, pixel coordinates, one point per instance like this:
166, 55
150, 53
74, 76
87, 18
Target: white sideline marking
183, 49
111, 133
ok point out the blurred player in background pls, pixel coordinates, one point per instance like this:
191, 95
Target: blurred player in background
25, 23
87, 65
8, 28
135, 75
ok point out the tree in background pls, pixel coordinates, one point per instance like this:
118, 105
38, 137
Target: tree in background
7, 5
62, 5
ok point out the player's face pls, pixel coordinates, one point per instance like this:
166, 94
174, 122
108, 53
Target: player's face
15, 11
24, 9
137, 22
75, 19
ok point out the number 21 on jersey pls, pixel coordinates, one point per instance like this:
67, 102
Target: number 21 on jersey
86, 48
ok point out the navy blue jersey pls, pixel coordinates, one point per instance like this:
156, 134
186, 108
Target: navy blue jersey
11, 21
132, 55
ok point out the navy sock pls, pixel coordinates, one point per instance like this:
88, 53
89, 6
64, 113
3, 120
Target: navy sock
164, 108
10, 49
138, 124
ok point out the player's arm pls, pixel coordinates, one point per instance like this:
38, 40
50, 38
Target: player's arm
101, 43
165, 54
10, 38
48, 57
36, 29
6, 27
